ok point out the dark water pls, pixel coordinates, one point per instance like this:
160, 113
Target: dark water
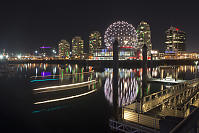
87, 113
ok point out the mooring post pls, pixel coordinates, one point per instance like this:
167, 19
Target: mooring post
115, 80
144, 75
144, 68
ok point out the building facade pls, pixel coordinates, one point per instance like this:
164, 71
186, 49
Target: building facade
107, 54
64, 49
95, 41
45, 51
175, 40
144, 35
77, 47
126, 36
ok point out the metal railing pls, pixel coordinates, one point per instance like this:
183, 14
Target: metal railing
125, 127
141, 118
156, 99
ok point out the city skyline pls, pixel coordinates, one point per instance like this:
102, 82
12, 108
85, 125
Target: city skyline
30, 25
99, 66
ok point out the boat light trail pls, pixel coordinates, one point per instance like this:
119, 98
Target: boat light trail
61, 86
66, 98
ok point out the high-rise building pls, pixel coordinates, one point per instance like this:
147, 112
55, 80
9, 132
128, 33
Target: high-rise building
64, 49
175, 40
144, 35
77, 47
95, 41
45, 51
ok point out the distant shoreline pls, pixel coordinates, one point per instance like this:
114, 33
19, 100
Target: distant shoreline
107, 63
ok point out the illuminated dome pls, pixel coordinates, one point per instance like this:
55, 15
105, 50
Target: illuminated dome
123, 32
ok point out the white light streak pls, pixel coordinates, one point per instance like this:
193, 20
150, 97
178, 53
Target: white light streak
66, 98
61, 86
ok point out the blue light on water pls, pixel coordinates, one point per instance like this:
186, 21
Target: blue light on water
42, 80
49, 109
45, 73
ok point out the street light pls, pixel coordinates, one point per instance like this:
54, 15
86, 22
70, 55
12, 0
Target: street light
19, 56
54, 51
1, 56
196, 63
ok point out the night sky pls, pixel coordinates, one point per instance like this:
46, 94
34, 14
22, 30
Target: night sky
25, 26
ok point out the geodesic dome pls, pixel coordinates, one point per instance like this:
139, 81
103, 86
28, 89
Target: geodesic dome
123, 32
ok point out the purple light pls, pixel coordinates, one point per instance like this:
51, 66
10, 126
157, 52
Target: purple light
45, 74
45, 47
169, 51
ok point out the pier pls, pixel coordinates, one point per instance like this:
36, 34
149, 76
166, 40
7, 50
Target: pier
144, 115
148, 114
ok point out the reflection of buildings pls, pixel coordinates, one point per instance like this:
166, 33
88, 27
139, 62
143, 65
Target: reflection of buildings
129, 83
170, 74
77, 47
73, 80
64, 49
173, 73
95, 41
127, 91
75, 74
154, 72
170, 71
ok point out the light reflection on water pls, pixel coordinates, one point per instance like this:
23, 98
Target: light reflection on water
128, 85
69, 82
130, 82
127, 91
56, 74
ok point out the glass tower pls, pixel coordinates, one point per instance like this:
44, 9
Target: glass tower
64, 49
144, 35
95, 41
77, 47
175, 40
